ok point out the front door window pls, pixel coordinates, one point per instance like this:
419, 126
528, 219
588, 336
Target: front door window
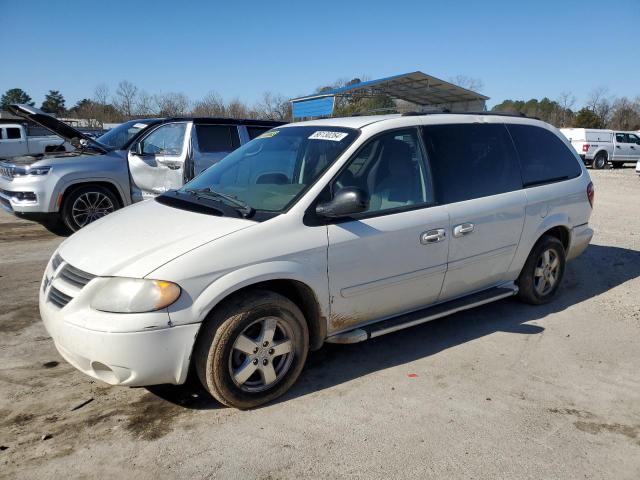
166, 140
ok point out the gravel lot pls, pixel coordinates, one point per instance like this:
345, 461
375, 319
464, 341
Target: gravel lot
502, 391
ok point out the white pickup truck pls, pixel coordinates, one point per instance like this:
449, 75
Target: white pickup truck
597, 147
18, 139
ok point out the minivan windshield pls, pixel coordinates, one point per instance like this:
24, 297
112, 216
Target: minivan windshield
119, 136
269, 172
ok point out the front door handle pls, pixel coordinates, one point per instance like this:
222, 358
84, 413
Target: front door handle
433, 236
462, 229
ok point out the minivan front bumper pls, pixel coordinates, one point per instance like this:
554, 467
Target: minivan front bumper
136, 358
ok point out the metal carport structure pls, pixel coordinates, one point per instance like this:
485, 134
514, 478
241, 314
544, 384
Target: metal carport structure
426, 92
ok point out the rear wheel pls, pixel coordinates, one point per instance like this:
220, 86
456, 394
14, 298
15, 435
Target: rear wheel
600, 161
87, 204
542, 272
252, 349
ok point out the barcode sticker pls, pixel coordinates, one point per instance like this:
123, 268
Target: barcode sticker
326, 135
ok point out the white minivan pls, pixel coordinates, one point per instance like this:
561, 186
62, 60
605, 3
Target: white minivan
335, 230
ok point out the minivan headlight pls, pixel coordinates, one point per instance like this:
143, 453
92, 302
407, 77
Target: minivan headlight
134, 295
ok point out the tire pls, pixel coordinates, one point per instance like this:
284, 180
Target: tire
617, 164
541, 275
95, 200
600, 161
234, 353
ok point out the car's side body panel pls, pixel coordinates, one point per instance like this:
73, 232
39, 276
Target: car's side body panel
380, 266
481, 258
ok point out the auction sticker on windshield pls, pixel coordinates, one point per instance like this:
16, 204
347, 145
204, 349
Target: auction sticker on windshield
326, 135
269, 134
140, 125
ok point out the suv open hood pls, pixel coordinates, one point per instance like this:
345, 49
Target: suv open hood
56, 126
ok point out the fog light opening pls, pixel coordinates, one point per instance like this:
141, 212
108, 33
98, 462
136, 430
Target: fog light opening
104, 373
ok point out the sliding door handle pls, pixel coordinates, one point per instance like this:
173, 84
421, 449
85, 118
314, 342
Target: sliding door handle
462, 229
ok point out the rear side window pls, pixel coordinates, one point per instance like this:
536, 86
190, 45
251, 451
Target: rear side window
471, 161
543, 156
256, 131
217, 138
13, 133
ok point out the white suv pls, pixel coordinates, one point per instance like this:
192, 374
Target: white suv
334, 230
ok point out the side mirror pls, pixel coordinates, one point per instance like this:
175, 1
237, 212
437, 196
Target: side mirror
136, 149
347, 201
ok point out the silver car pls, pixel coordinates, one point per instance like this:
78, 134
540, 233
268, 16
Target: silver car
135, 161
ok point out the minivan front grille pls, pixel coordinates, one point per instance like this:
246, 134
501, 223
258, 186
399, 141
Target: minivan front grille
70, 276
58, 298
75, 276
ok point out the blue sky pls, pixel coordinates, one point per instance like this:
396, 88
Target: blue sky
519, 49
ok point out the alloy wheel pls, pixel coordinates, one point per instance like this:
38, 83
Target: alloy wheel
262, 354
91, 206
547, 272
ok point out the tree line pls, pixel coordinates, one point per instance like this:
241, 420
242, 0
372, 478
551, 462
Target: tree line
601, 110
129, 102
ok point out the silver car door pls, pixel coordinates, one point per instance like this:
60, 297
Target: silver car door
156, 162
634, 147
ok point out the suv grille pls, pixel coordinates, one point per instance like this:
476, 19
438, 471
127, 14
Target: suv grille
6, 170
69, 276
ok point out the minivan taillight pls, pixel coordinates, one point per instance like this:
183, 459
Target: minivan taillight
590, 193
585, 147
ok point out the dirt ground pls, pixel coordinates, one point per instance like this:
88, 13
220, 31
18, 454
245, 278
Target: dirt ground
502, 391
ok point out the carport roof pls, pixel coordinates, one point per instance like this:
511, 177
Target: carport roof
416, 87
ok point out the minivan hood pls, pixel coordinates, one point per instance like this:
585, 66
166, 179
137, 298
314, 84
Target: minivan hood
56, 126
136, 240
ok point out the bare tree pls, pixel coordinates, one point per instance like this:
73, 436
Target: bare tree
126, 98
172, 104
625, 114
273, 107
599, 102
212, 105
467, 82
566, 100
102, 94
145, 105
237, 109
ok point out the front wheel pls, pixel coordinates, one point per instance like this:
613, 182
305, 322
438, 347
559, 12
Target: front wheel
542, 272
252, 349
87, 204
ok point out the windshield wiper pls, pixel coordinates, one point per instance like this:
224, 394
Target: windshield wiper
244, 208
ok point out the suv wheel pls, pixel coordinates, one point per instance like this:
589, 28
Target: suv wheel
252, 349
87, 204
542, 272
600, 161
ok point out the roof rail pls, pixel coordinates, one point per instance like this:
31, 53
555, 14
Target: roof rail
447, 112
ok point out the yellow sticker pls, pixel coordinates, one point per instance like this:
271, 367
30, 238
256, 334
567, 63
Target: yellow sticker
269, 134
